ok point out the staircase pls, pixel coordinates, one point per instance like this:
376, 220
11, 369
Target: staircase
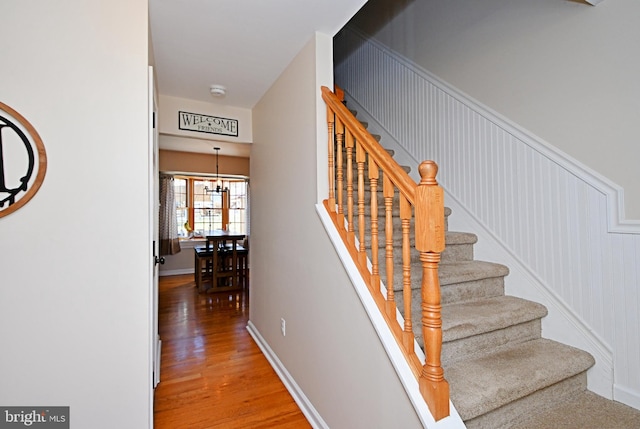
501, 372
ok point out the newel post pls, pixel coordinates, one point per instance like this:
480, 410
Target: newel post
429, 227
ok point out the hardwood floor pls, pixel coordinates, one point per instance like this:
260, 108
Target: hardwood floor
213, 375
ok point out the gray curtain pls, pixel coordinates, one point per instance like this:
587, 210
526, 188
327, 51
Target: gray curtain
169, 241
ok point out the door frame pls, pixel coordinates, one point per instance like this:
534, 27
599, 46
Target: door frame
154, 207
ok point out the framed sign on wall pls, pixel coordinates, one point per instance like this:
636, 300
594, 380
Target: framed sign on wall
23, 161
207, 124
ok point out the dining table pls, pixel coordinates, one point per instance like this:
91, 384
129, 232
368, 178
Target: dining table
220, 259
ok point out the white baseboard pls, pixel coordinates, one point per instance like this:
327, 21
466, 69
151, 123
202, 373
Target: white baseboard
561, 324
626, 396
303, 402
156, 369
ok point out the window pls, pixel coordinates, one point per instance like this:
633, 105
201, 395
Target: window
202, 210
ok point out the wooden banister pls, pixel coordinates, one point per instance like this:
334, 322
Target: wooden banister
425, 201
398, 177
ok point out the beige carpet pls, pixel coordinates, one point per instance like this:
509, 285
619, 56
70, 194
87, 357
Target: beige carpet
585, 411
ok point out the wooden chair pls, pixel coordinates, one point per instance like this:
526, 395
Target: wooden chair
242, 262
207, 264
203, 263
219, 264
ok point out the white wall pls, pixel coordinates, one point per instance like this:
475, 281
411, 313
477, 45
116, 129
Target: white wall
564, 70
534, 209
75, 285
170, 106
330, 348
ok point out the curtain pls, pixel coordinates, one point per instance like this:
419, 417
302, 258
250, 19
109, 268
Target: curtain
169, 241
248, 214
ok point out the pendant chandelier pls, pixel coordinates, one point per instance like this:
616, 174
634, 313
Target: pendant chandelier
218, 189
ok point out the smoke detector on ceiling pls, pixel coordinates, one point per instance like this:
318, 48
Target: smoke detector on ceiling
218, 90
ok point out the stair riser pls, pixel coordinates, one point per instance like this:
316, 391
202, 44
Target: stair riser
508, 415
395, 212
468, 291
395, 205
452, 253
458, 249
406, 168
457, 252
492, 349
490, 342
396, 227
451, 293
454, 293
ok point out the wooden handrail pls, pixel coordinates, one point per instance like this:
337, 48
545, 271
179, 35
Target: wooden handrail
426, 201
398, 177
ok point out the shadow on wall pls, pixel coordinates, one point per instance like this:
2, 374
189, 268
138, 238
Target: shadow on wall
373, 16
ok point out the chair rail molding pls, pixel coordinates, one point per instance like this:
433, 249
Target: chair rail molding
561, 221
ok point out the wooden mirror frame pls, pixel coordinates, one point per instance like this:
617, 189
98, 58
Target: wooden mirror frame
41, 162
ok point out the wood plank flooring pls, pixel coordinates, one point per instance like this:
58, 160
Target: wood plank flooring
213, 375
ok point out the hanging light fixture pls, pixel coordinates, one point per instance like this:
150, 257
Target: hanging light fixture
219, 189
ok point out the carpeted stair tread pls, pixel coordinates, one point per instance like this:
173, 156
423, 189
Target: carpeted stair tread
481, 385
502, 374
466, 271
459, 247
455, 237
477, 317
451, 273
584, 411
480, 327
451, 238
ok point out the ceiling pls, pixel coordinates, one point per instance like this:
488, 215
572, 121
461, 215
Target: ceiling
241, 44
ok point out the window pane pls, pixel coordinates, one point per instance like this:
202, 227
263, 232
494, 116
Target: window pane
208, 219
237, 206
207, 208
207, 205
180, 191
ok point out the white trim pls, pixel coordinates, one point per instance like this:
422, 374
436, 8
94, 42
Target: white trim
389, 343
190, 243
152, 208
296, 392
193, 175
562, 324
615, 194
560, 220
391, 347
626, 396
156, 370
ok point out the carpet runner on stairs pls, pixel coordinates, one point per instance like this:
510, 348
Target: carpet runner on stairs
502, 373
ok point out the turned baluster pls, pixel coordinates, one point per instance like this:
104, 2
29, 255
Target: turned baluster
429, 229
375, 268
340, 173
331, 159
405, 216
349, 144
387, 193
360, 159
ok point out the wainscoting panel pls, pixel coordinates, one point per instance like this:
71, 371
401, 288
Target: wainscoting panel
557, 218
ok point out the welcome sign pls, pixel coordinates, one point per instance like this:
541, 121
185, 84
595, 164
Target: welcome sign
207, 124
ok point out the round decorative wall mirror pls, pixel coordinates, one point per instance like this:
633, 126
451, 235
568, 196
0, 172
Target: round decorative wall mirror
23, 161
